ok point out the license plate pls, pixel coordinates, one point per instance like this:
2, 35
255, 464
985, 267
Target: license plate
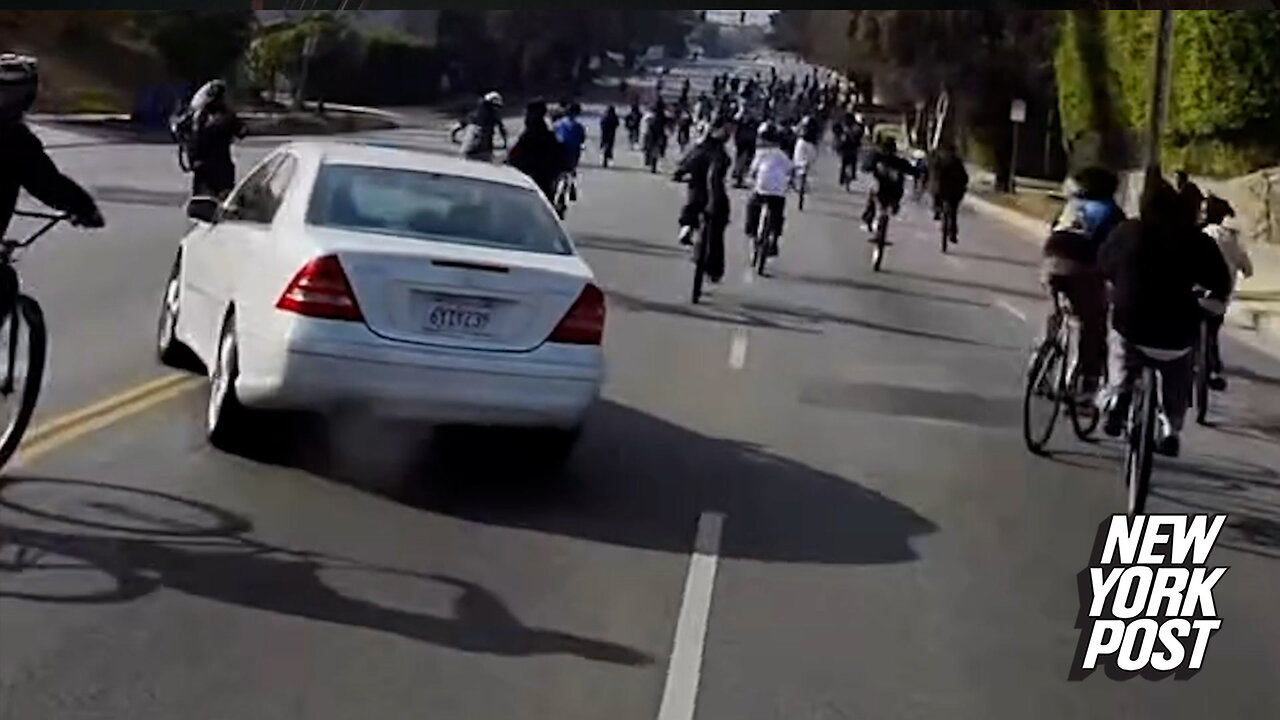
463, 317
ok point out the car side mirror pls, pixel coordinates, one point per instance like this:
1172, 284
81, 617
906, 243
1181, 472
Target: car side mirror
204, 209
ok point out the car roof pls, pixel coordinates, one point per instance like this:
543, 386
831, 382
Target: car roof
372, 155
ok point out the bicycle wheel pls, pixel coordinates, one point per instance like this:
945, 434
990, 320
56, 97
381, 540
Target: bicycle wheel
699, 262
804, 184
760, 248
1042, 395
25, 342
1200, 375
946, 235
1142, 447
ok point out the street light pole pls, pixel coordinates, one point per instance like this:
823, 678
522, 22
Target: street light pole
1159, 92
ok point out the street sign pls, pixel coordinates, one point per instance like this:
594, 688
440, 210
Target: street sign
1018, 111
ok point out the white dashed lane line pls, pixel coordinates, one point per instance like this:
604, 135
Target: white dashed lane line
1004, 304
738, 349
680, 694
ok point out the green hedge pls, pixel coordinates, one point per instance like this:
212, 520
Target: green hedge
1225, 99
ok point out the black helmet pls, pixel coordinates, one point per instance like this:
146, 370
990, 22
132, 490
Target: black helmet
19, 81
574, 109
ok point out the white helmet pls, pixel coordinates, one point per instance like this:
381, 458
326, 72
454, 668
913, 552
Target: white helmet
19, 80
493, 98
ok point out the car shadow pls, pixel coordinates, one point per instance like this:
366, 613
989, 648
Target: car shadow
634, 480
217, 559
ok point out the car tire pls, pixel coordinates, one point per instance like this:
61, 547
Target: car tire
169, 349
226, 420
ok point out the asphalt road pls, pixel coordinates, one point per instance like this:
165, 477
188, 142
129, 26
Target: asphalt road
887, 548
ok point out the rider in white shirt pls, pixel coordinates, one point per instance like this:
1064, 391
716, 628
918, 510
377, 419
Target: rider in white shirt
771, 172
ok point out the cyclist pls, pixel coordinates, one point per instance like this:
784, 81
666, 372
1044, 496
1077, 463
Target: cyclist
632, 121
608, 133
771, 172
684, 128
805, 152
480, 126
706, 168
653, 131
572, 136
1154, 264
744, 147
537, 153
948, 182
1069, 265
26, 164
1217, 215
850, 147
213, 127
890, 171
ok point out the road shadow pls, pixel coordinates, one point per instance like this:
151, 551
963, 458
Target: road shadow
207, 552
985, 257
635, 480
852, 284
1247, 492
965, 284
716, 310
630, 246
815, 315
914, 402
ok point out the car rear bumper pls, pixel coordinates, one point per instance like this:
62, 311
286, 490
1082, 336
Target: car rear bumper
552, 386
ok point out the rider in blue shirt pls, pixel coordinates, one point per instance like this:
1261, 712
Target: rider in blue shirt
572, 135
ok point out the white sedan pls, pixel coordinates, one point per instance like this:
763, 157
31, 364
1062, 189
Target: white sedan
346, 278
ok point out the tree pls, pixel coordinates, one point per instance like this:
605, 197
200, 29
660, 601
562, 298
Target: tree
197, 44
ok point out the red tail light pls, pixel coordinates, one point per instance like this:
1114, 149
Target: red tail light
320, 289
584, 323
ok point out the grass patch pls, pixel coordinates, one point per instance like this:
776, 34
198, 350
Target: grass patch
1041, 206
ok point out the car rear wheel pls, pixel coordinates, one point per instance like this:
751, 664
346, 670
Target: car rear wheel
225, 418
169, 349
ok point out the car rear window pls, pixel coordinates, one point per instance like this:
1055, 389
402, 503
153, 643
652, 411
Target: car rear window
411, 203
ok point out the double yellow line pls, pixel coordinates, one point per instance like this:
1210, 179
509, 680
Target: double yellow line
65, 428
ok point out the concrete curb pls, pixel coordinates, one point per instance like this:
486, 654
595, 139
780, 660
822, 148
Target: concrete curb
1258, 330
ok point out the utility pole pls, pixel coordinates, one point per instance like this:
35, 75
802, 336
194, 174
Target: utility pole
1159, 92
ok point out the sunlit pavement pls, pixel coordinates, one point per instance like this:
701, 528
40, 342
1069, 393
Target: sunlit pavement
886, 548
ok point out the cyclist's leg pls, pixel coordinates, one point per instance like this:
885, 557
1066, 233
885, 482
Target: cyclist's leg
1217, 380
1088, 297
753, 214
715, 253
1175, 397
1126, 363
869, 214
778, 204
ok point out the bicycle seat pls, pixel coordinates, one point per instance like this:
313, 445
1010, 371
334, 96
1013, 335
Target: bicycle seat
1161, 354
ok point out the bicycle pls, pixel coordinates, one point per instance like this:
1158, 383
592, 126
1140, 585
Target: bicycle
17, 308
1140, 435
766, 240
1054, 376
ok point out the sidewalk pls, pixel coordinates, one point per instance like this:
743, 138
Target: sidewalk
1254, 315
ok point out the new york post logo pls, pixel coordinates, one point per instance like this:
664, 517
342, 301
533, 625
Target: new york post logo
1146, 599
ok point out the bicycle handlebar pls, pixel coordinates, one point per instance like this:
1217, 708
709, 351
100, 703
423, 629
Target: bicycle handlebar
56, 217
51, 219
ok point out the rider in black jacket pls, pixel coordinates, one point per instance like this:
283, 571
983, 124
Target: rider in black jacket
23, 162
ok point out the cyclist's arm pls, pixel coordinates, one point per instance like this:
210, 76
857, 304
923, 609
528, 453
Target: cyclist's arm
46, 183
